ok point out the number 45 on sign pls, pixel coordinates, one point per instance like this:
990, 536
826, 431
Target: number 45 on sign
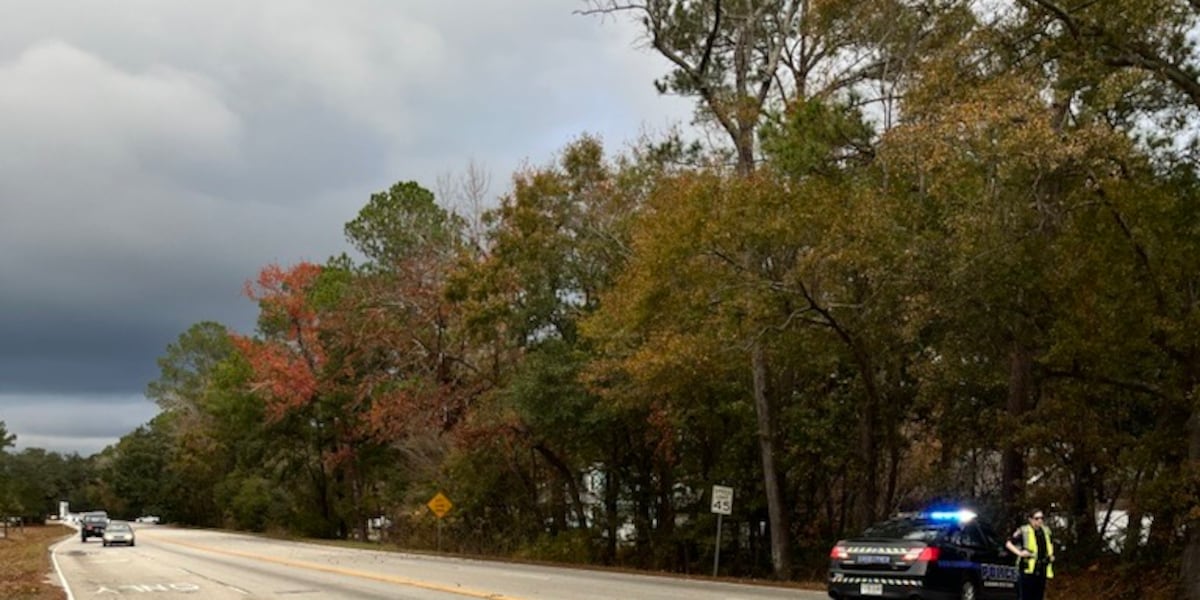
722, 500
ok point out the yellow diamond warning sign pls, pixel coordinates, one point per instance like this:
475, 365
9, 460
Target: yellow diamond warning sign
440, 505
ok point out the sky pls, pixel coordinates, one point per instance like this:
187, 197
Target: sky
155, 155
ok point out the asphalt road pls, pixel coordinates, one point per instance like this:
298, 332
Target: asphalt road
200, 564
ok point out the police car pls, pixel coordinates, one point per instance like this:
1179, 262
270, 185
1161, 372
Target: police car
932, 555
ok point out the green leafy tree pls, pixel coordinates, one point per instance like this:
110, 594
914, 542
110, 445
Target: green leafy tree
403, 222
687, 303
198, 445
1133, 63
7, 440
408, 370
552, 247
1054, 197
185, 371
405, 340
746, 61
138, 470
30, 490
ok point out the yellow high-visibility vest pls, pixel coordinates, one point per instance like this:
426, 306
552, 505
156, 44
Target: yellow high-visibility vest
1031, 545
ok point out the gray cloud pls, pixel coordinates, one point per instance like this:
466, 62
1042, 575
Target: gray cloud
70, 424
156, 155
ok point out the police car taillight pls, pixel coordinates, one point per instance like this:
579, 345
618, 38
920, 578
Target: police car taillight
839, 552
927, 554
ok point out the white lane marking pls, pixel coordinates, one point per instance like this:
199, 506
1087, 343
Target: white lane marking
58, 570
149, 588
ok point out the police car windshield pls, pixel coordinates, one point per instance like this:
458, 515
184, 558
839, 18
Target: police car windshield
917, 529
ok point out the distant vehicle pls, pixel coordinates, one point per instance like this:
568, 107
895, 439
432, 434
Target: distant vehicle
942, 555
118, 532
93, 524
147, 519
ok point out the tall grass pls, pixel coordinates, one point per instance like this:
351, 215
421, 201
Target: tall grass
25, 569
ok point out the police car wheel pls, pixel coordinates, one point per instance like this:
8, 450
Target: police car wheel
968, 591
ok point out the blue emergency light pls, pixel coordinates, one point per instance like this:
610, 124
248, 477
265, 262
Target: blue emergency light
961, 516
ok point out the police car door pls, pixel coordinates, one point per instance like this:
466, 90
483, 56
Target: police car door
997, 572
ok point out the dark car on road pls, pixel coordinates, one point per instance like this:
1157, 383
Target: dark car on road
933, 555
92, 525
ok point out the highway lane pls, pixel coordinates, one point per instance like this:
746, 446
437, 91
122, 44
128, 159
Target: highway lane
193, 564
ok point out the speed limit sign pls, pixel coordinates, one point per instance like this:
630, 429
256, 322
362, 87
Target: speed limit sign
722, 500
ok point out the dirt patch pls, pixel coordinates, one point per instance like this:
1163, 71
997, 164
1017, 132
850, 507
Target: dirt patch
1110, 580
25, 569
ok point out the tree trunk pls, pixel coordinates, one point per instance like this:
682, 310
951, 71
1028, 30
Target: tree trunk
1083, 509
868, 446
1132, 536
360, 511
665, 514
893, 481
568, 478
643, 502
612, 490
744, 143
777, 515
1012, 474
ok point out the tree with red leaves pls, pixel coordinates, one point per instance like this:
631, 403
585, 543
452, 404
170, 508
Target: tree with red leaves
288, 360
289, 363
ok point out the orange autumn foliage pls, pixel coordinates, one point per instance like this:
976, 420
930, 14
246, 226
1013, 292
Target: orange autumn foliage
287, 361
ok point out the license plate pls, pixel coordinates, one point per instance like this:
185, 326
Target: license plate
871, 589
873, 559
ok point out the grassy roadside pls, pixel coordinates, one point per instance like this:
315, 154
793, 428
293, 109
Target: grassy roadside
25, 569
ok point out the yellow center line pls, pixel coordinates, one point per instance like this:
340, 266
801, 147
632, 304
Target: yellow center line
347, 572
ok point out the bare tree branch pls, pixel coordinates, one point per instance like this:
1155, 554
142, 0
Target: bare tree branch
1173, 73
1058, 12
711, 40
776, 48
1125, 54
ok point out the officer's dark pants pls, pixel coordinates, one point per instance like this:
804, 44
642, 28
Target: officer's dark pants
1032, 586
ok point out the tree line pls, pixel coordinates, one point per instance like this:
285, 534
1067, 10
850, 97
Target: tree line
931, 251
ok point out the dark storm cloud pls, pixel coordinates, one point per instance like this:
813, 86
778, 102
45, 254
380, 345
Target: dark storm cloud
100, 359
81, 353
157, 155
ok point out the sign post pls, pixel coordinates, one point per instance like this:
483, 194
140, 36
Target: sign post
722, 504
440, 505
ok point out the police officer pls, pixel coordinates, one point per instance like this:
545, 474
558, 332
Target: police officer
1035, 555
